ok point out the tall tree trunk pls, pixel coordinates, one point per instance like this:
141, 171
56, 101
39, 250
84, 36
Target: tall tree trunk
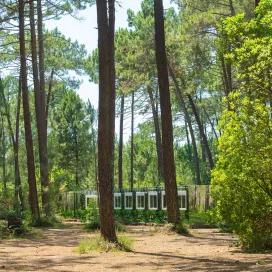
204, 161
77, 160
18, 180
120, 149
18, 194
188, 119
166, 116
257, 2
201, 131
232, 10
3, 143
157, 133
33, 196
132, 143
95, 159
49, 96
106, 22
211, 124
227, 75
189, 150
42, 135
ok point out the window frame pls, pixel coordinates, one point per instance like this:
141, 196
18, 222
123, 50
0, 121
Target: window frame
153, 193
181, 194
137, 204
90, 196
114, 202
130, 194
162, 201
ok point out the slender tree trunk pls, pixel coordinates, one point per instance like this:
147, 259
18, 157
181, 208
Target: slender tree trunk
49, 96
18, 180
211, 124
18, 194
77, 160
189, 150
257, 2
166, 115
232, 10
106, 22
3, 143
201, 131
120, 151
204, 162
132, 143
227, 76
33, 196
42, 136
190, 125
95, 159
157, 133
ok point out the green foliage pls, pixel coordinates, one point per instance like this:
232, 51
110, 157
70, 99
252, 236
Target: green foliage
98, 244
73, 137
180, 228
92, 216
140, 216
242, 180
201, 220
78, 214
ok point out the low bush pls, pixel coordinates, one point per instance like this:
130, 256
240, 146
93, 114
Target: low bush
101, 245
141, 216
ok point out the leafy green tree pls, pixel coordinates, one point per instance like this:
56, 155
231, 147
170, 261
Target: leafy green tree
72, 129
242, 186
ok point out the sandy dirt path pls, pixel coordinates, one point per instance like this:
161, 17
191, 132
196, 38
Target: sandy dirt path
154, 250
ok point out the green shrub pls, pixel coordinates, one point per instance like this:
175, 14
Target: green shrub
99, 244
179, 228
92, 216
77, 214
242, 179
201, 219
140, 216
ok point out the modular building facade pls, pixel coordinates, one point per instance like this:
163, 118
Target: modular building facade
142, 199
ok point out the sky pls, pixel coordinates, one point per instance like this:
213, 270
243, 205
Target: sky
85, 32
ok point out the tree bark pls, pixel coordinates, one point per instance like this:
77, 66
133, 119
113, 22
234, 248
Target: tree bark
44, 170
157, 133
77, 160
189, 150
18, 193
106, 22
33, 196
132, 143
18, 180
211, 124
120, 149
166, 115
232, 10
3, 143
201, 131
188, 119
49, 96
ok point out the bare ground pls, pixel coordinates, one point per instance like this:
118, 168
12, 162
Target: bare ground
154, 250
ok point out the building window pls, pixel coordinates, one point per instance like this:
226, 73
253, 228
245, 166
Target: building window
117, 201
140, 200
163, 202
153, 200
128, 201
90, 199
182, 200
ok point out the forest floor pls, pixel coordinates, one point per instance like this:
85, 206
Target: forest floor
154, 249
